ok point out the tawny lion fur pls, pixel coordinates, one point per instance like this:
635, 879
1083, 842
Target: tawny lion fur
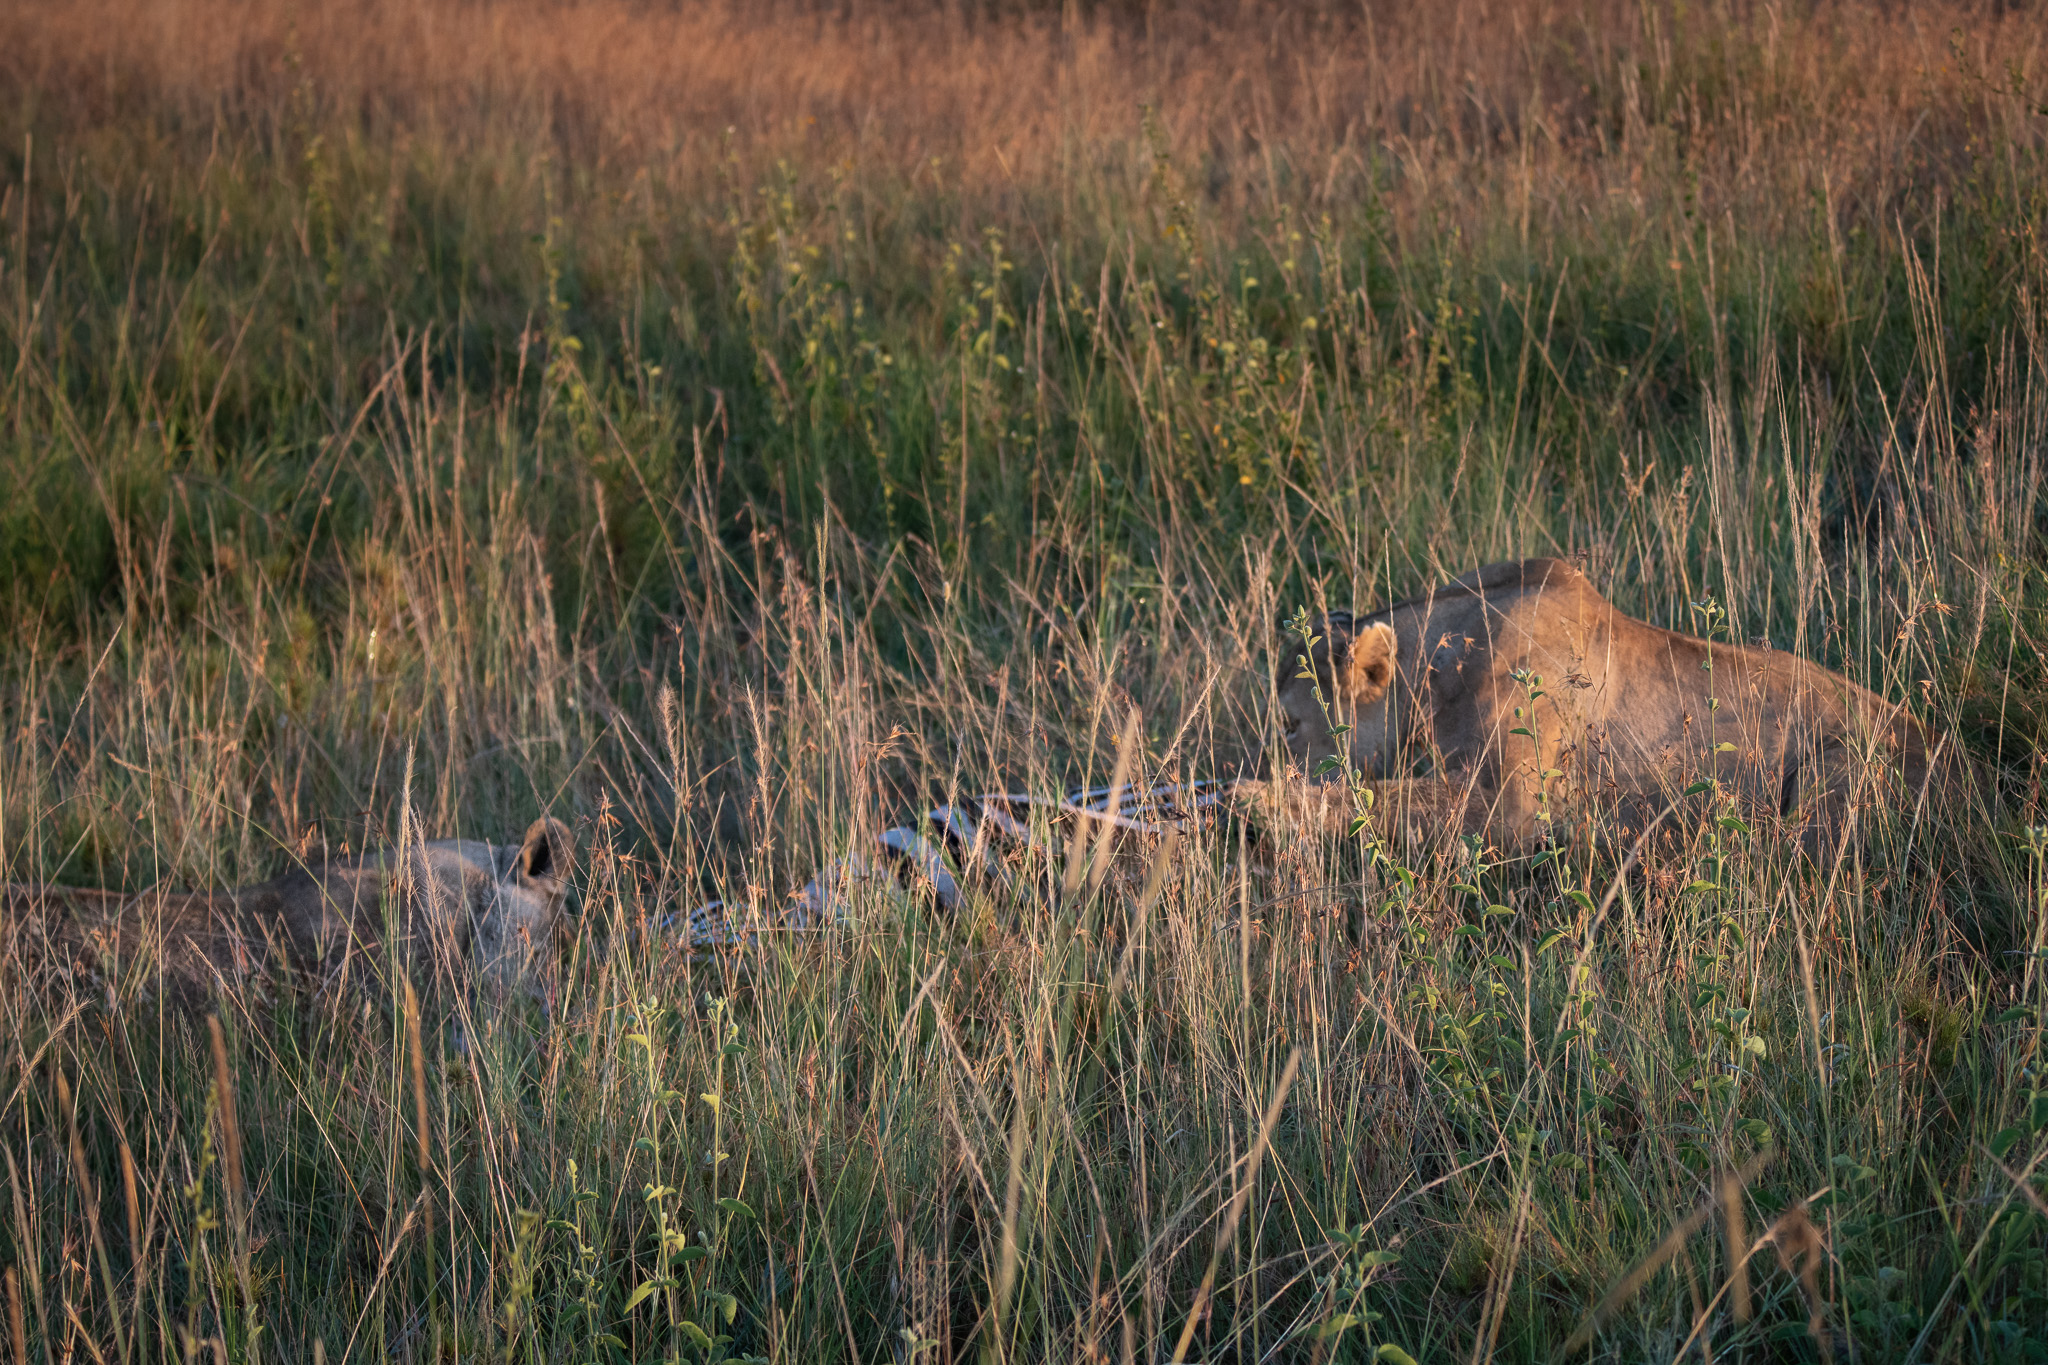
1629, 716
488, 910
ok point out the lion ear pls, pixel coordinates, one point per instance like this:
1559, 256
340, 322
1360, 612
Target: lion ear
1368, 667
547, 850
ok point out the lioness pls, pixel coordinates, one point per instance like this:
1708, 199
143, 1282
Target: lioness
1625, 717
494, 907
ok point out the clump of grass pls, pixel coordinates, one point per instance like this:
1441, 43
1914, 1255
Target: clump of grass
737, 434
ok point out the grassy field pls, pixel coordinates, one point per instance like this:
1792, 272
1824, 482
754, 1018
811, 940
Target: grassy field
735, 430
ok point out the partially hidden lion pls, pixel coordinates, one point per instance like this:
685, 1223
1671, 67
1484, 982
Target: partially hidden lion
1516, 693
487, 910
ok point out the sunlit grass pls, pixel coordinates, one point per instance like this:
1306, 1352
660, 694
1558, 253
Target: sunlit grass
737, 435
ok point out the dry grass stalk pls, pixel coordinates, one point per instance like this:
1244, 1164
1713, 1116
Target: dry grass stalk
1247, 1177
1674, 1242
1735, 1241
17, 1325
1803, 1252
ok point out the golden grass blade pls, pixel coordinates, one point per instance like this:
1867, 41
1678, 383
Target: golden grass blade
231, 1165
1734, 1237
88, 1191
1243, 1196
1674, 1241
230, 1125
16, 1325
1800, 1250
1120, 776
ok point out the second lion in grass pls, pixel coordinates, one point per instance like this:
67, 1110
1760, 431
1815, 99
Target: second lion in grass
483, 911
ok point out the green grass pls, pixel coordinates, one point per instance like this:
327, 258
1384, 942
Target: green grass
397, 422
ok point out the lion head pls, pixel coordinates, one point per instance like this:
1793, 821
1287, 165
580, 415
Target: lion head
1353, 667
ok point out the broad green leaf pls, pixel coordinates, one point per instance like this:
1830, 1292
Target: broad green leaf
1393, 1355
1336, 1326
735, 1208
639, 1296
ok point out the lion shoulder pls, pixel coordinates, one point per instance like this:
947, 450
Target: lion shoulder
1519, 575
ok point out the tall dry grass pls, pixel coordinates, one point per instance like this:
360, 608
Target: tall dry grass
736, 430
1291, 103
